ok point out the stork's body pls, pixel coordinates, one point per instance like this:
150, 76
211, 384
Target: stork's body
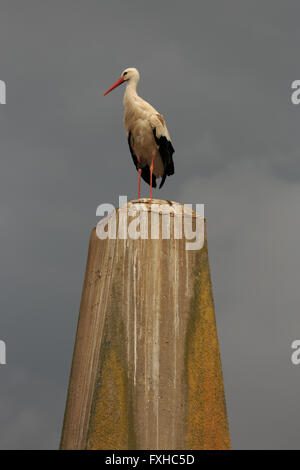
148, 137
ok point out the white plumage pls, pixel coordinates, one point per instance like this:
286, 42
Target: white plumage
148, 137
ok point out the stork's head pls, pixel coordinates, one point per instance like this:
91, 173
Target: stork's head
129, 75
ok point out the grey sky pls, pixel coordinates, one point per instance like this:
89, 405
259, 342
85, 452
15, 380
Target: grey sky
220, 73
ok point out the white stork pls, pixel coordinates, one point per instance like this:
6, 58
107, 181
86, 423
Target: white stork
148, 137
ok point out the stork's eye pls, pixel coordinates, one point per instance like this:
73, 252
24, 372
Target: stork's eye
125, 73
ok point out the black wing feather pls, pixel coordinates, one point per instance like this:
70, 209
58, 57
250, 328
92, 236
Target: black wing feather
145, 170
166, 151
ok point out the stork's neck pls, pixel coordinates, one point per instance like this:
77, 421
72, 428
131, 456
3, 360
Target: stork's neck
130, 93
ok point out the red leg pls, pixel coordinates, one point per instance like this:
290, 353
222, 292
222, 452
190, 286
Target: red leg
151, 171
140, 173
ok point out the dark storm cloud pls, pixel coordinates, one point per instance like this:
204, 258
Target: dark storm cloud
220, 72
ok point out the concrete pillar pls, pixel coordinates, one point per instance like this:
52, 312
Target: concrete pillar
146, 371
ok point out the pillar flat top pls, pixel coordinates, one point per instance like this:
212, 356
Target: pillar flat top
162, 206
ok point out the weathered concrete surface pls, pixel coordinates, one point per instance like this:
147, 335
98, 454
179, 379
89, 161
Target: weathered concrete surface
146, 370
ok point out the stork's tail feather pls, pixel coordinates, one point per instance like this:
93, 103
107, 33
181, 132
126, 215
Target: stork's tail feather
168, 172
162, 180
166, 151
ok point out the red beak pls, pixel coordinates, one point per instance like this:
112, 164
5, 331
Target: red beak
118, 82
